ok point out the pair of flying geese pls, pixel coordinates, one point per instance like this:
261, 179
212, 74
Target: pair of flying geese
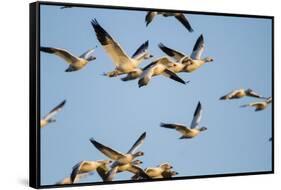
240, 93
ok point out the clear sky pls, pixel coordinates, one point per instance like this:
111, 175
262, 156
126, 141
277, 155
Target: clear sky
116, 113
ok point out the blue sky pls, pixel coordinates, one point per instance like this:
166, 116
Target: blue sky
116, 113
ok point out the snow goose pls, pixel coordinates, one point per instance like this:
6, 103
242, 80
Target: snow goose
240, 93
86, 167
259, 105
123, 63
66, 7
187, 132
155, 172
189, 63
158, 67
179, 16
132, 167
75, 63
50, 117
121, 159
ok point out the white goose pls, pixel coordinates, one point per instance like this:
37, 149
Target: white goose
122, 160
194, 130
75, 63
158, 67
155, 172
87, 166
240, 93
186, 63
124, 63
50, 117
259, 105
179, 16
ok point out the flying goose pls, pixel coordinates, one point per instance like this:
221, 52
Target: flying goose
259, 105
121, 159
194, 130
124, 63
67, 180
188, 63
132, 167
158, 67
236, 94
155, 172
87, 166
66, 7
75, 63
50, 117
179, 16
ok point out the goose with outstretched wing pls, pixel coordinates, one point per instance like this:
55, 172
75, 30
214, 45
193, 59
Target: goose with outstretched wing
158, 67
75, 63
123, 161
261, 105
124, 64
87, 166
50, 117
194, 129
179, 16
187, 63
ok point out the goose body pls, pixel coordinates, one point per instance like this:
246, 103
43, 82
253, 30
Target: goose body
158, 67
155, 172
193, 130
179, 16
75, 63
50, 117
124, 64
86, 167
186, 63
240, 93
259, 105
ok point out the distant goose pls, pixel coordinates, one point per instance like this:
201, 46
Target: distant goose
121, 159
124, 63
66, 7
75, 63
194, 130
188, 63
158, 67
50, 117
155, 172
179, 16
86, 167
240, 93
259, 105
67, 180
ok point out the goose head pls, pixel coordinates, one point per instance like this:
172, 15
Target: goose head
137, 154
166, 166
137, 162
147, 55
269, 100
203, 129
104, 161
208, 59
91, 58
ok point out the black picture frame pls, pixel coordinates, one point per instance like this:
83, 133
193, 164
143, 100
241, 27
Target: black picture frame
34, 93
